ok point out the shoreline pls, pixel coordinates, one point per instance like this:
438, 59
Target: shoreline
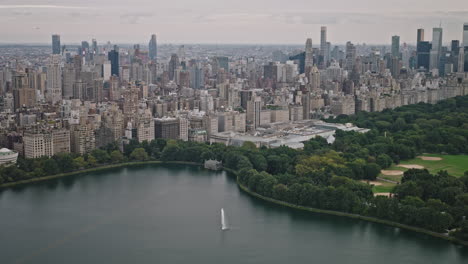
354, 216
95, 169
249, 192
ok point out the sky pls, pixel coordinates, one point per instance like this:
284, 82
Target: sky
233, 21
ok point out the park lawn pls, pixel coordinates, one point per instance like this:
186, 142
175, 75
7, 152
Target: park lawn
382, 188
455, 165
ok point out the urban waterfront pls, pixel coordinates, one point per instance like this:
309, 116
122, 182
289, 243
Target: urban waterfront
171, 214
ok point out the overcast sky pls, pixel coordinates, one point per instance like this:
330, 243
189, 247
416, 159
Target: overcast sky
233, 21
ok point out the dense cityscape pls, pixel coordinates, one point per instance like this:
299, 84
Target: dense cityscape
327, 151
75, 98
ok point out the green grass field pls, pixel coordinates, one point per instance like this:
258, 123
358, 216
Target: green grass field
383, 188
455, 165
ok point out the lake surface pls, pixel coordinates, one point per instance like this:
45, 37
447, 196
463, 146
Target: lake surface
171, 214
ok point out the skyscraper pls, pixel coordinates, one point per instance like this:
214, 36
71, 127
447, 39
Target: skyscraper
174, 64
113, 56
54, 79
323, 44
153, 48
56, 48
436, 48
461, 60
223, 62
309, 59
23, 94
396, 46
423, 58
420, 36
465, 35
350, 56
454, 50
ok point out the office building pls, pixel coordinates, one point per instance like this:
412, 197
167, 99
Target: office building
420, 36
56, 48
113, 57
465, 35
153, 48
396, 46
436, 48
423, 54
223, 62
174, 64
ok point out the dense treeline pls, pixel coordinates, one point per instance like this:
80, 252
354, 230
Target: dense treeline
323, 175
432, 128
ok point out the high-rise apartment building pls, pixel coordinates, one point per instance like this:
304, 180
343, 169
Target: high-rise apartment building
323, 45
54, 79
23, 94
46, 143
167, 128
350, 56
254, 106
56, 48
309, 57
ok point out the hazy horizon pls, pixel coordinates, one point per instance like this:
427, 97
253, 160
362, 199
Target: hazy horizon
239, 22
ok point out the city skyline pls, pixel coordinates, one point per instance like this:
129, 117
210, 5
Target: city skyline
210, 22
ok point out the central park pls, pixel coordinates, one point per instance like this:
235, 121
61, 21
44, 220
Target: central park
414, 157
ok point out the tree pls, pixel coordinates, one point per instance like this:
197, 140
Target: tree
79, 163
258, 161
116, 156
101, 156
139, 154
51, 167
372, 171
384, 161
64, 162
171, 152
91, 160
280, 192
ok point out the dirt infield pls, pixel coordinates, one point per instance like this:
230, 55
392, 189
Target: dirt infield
411, 166
429, 158
391, 172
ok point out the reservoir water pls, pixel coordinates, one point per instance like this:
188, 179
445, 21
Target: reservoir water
171, 214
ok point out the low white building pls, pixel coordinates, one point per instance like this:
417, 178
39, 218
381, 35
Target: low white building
8, 156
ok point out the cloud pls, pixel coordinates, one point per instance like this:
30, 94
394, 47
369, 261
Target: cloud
40, 7
135, 18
